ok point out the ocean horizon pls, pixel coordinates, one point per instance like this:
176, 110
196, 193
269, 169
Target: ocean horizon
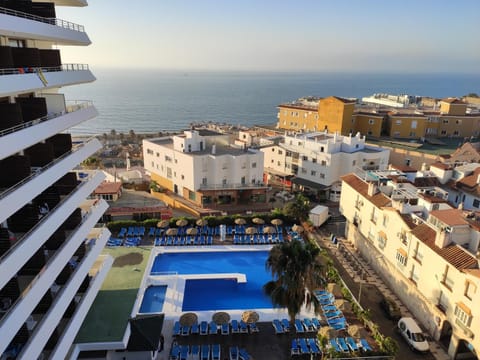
147, 101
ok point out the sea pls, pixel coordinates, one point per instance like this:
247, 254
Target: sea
147, 101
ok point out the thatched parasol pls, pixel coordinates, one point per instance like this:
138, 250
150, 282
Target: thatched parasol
276, 222
343, 305
191, 231
172, 231
240, 221
188, 319
182, 222
328, 332
163, 224
201, 222
297, 228
258, 221
250, 316
251, 230
357, 331
221, 317
269, 230
335, 289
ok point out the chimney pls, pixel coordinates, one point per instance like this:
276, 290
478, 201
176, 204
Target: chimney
442, 238
372, 189
424, 167
214, 149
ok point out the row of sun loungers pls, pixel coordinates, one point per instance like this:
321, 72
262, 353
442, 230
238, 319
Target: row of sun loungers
257, 239
301, 326
201, 352
205, 328
303, 346
334, 317
129, 241
132, 231
181, 240
348, 344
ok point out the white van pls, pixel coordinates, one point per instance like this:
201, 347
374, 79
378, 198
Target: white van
413, 334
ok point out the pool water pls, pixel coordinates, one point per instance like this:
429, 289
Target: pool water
219, 294
153, 299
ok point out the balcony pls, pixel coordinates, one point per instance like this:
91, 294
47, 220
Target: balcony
233, 186
49, 322
30, 79
25, 134
21, 24
26, 303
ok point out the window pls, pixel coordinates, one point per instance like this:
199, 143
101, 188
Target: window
385, 221
398, 122
254, 165
415, 273
371, 121
443, 132
470, 289
183, 177
280, 152
169, 173
304, 171
242, 180
476, 203
204, 181
314, 161
463, 314
417, 253
382, 240
153, 164
445, 121
305, 158
158, 154
313, 173
322, 149
168, 158
447, 280
273, 149
149, 152
374, 216
224, 181
324, 163
401, 257
458, 122
412, 133
456, 133
413, 125
192, 195
354, 162
322, 176
278, 163
16, 43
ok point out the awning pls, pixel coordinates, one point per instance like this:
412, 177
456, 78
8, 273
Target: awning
383, 235
146, 331
464, 308
277, 173
309, 184
402, 252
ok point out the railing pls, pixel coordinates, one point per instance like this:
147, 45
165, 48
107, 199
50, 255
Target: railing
32, 70
75, 106
42, 169
232, 186
52, 21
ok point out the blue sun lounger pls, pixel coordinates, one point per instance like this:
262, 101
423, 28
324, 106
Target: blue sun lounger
233, 351
333, 314
195, 329
205, 354
216, 352
225, 329
213, 328
312, 343
277, 325
203, 328
185, 330
175, 352
253, 327
243, 327
343, 345
335, 345
351, 343
365, 345
303, 346
294, 349
327, 308
299, 326
176, 328
316, 323
184, 352
244, 355
286, 325
195, 351
308, 324
235, 327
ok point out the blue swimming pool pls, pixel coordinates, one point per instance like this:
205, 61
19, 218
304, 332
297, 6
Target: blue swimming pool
153, 299
219, 294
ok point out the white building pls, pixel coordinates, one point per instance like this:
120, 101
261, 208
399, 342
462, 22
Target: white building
48, 279
315, 161
425, 250
204, 168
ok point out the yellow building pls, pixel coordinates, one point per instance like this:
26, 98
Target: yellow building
368, 123
406, 124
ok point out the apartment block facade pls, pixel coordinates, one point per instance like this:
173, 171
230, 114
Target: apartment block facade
50, 269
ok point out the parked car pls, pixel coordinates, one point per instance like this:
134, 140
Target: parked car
412, 333
392, 311
285, 195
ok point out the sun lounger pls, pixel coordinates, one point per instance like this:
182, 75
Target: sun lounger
308, 324
365, 345
343, 345
244, 355
316, 323
225, 329
175, 352
351, 343
184, 352
195, 329
213, 328
286, 325
176, 328
333, 314
233, 351
216, 352
185, 330
277, 325
243, 327
327, 308
205, 354
195, 352
235, 327
334, 345
314, 348
299, 326
203, 328
253, 328
294, 349
303, 346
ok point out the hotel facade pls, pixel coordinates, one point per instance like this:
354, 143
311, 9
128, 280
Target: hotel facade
50, 269
427, 250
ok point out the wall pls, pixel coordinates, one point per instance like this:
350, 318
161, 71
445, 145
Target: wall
361, 124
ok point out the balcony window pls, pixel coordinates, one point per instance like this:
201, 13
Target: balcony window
204, 181
463, 314
470, 290
254, 165
313, 173
415, 274
447, 280
401, 257
382, 240
418, 254
243, 180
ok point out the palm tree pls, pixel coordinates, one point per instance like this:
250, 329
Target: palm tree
296, 270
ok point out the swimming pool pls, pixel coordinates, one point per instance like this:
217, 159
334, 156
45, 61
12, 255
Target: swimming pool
219, 294
153, 299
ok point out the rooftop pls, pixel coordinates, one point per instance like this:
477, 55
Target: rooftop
379, 199
108, 317
450, 217
107, 187
219, 148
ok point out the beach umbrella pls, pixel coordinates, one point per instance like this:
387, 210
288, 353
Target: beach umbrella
328, 332
269, 230
240, 221
335, 289
201, 222
182, 222
250, 316
343, 305
297, 228
188, 319
357, 331
220, 318
163, 224
191, 231
258, 221
276, 222
172, 231
251, 230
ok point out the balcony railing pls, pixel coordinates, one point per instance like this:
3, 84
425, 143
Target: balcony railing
72, 106
52, 21
232, 186
38, 70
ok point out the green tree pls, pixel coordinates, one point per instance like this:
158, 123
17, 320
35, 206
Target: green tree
298, 209
296, 270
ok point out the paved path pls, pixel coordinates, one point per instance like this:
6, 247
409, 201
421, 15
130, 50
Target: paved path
364, 281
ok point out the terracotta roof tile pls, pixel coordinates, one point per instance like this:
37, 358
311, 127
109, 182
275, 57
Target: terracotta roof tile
379, 199
108, 188
442, 166
471, 180
450, 217
453, 254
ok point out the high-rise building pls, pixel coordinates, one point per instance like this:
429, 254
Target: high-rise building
50, 271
